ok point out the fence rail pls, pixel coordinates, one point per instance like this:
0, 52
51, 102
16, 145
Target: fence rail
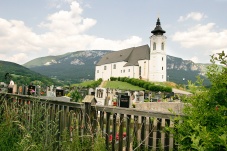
123, 128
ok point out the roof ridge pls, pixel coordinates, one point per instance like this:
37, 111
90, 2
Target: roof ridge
129, 54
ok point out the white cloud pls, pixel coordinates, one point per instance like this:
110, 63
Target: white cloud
197, 16
203, 36
101, 43
15, 36
18, 57
194, 59
68, 22
65, 32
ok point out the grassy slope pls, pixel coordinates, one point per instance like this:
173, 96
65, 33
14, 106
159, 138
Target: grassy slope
121, 85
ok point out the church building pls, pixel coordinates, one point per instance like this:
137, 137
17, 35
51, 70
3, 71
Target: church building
142, 62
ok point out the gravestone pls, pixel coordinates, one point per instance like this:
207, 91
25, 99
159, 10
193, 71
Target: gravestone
124, 101
31, 89
59, 92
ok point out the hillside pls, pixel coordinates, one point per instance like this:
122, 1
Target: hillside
22, 75
78, 66
69, 68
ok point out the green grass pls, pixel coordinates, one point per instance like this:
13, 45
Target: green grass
121, 85
83, 84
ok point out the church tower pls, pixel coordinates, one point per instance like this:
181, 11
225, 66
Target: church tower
157, 65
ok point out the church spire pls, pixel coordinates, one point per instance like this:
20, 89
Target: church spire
158, 29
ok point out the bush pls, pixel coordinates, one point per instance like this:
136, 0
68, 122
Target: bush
204, 124
143, 84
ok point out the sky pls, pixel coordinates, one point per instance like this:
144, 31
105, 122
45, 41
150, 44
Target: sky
31, 29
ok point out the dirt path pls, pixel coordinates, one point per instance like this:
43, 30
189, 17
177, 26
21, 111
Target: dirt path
102, 84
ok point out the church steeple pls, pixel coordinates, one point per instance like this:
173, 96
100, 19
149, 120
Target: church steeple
158, 29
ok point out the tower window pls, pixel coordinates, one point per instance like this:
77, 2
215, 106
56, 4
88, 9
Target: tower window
154, 46
163, 46
162, 68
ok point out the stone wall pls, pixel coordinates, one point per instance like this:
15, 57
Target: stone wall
176, 107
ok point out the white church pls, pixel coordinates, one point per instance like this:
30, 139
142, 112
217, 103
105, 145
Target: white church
144, 62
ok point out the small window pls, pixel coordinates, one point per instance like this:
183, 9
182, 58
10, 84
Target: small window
114, 66
162, 68
154, 46
128, 70
123, 71
162, 58
163, 46
162, 76
104, 67
97, 71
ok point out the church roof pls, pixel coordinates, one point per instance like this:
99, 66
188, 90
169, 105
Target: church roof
158, 29
129, 55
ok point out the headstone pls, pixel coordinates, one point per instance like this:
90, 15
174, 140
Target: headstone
59, 93
31, 89
25, 90
119, 97
91, 91
20, 90
10, 90
124, 101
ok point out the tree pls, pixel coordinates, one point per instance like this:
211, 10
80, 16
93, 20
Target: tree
204, 125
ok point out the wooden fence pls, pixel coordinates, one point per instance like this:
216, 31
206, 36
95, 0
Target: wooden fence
123, 128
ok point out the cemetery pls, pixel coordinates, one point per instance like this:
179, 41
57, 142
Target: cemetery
120, 114
121, 119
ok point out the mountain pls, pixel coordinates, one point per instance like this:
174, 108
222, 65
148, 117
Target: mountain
180, 71
75, 67
69, 68
22, 75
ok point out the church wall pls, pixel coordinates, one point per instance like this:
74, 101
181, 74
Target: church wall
120, 70
144, 64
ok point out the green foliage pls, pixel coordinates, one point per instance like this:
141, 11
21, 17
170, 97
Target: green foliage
143, 84
121, 85
9, 129
75, 95
21, 130
21, 75
86, 142
204, 124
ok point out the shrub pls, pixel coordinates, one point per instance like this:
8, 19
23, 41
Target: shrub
204, 124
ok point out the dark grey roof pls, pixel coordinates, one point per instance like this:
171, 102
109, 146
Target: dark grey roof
158, 29
130, 55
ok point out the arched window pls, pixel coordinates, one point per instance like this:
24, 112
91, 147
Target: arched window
162, 45
154, 46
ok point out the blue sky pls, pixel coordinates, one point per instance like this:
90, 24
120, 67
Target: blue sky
29, 29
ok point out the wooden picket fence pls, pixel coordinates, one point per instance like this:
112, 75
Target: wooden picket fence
123, 128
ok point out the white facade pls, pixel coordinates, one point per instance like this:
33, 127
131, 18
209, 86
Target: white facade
157, 58
137, 62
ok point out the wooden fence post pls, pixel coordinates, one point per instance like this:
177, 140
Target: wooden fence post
88, 101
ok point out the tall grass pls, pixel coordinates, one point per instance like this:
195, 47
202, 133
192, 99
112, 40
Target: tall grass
28, 125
